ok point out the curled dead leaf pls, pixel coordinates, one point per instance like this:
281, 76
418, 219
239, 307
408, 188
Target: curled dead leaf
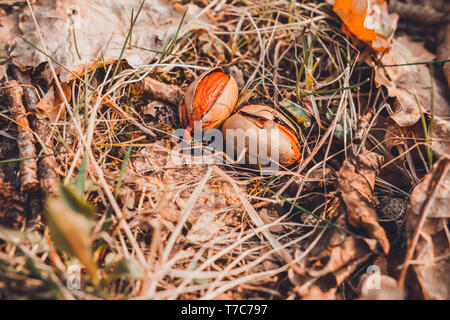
343, 255
356, 182
427, 233
401, 80
339, 255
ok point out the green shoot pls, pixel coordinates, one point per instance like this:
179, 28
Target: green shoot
335, 90
127, 39
168, 49
29, 158
75, 38
81, 177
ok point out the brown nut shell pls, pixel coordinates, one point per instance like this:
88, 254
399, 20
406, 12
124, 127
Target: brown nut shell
262, 119
214, 115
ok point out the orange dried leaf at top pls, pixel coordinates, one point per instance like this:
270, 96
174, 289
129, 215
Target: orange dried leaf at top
368, 21
353, 13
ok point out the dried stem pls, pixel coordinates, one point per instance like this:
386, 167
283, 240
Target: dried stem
25, 140
48, 177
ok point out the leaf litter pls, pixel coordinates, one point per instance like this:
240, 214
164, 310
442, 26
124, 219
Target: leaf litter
319, 230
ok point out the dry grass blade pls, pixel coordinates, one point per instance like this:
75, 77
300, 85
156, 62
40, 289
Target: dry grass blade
198, 224
190, 204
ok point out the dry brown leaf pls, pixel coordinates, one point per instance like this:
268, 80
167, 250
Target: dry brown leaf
99, 28
439, 208
430, 201
205, 228
402, 80
8, 26
52, 104
341, 254
443, 51
441, 137
356, 181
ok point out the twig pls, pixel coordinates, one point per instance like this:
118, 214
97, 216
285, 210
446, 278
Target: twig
48, 177
162, 91
25, 140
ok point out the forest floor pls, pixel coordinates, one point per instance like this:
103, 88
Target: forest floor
95, 203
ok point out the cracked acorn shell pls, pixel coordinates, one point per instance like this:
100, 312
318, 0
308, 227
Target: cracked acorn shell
211, 98
261, 118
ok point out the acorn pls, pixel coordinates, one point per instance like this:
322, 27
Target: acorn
267, 126
211, 98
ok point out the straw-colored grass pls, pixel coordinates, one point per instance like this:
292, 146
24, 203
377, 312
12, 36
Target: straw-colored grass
287, 50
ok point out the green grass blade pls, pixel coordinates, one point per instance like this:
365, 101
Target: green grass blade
335, 90
171, 44
425, 131
127, 39
29, 158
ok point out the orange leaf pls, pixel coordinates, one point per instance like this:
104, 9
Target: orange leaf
368, 21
